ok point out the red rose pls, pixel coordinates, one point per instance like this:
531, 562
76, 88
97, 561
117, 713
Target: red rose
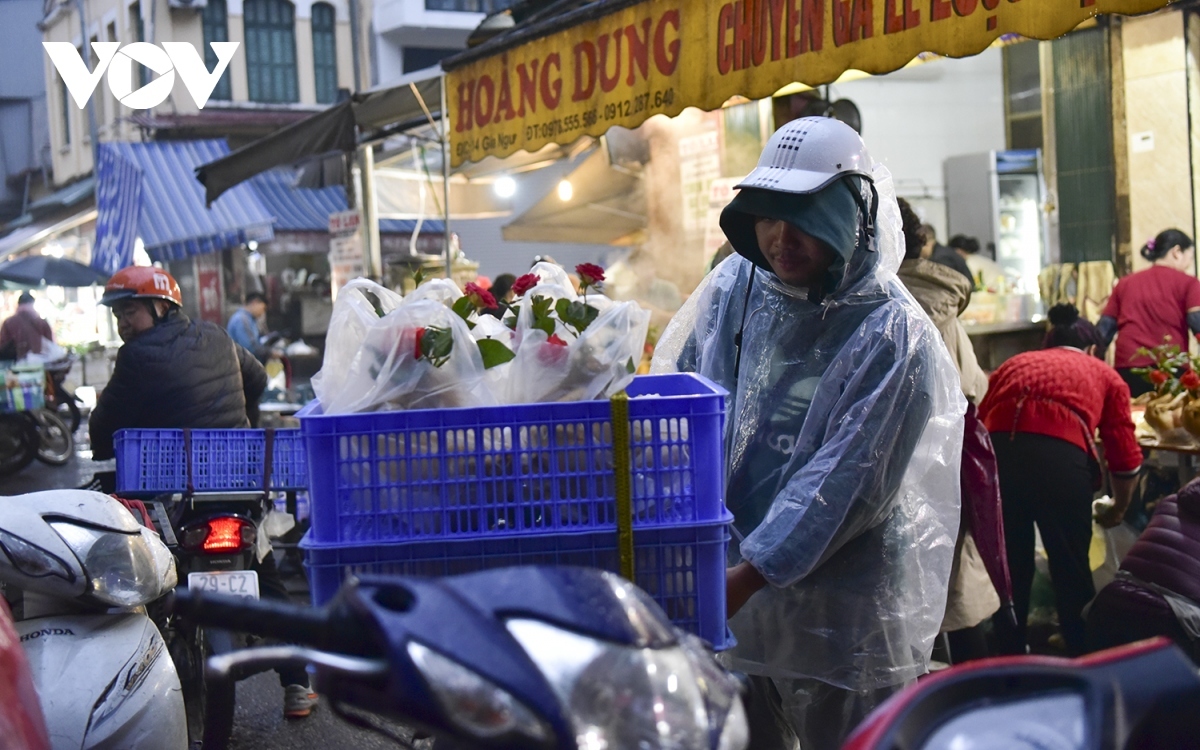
481, 298
1190, 380
1158, 377
590, 274
420, 334
525, 283
553, 353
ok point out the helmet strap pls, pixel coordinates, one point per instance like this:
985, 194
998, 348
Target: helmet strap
866, 227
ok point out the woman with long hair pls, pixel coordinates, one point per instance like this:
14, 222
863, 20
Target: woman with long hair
1153, 306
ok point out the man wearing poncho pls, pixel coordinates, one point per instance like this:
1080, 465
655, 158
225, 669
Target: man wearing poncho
843, 438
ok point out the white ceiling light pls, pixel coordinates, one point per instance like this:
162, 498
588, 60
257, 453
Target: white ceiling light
565, 190
505, 187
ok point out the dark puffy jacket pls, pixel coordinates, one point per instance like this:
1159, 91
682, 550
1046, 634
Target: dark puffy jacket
181, 373
1166, 555
1168, 551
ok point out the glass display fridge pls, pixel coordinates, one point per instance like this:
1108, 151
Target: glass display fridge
998, 198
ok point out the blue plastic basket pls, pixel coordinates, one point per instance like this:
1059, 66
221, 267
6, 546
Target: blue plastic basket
23, 387
152, 462
527, 469
682, 567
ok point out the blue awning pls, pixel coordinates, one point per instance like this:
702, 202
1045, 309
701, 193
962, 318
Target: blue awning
174, 222
307, 209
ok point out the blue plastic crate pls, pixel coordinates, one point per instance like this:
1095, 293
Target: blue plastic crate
152, 462
527, 469
682, 567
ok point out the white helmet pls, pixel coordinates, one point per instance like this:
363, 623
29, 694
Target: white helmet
831, 150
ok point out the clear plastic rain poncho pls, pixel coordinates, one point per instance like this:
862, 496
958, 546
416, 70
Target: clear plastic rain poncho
843, 443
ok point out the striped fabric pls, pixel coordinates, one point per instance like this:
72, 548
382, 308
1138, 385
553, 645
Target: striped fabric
308, 209
173, 222
118, 204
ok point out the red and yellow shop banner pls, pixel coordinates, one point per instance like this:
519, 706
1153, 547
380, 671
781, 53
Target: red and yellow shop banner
660, 56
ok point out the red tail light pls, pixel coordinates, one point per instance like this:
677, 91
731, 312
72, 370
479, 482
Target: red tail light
218, 535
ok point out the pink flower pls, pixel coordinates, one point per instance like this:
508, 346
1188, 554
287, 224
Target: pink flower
480, 298
525, 283
590, 274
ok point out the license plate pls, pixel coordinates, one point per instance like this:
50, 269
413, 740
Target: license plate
231, 582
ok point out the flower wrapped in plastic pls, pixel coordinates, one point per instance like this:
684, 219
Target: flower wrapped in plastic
421, 355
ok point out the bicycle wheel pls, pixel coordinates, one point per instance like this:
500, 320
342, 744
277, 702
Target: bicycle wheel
18, 443
56, 444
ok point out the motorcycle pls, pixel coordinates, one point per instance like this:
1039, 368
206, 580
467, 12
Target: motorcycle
80, 574
537, 657
1137, 697
214, 538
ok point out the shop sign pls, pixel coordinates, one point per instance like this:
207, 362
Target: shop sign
345, 260
345, 222
208, 286
658, 57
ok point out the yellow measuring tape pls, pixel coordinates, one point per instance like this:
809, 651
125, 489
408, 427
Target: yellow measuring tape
623, 474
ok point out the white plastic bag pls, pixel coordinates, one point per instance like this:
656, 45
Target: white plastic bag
354, 314
1107, 550
387, 374
596, 364
51, 354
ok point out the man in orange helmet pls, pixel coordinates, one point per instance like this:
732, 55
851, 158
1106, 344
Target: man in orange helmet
176, 372
172, 371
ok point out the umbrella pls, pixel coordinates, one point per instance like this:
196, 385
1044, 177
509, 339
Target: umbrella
39, 270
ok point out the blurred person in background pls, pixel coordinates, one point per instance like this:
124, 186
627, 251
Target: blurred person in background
1042, 409
22, 333
501, 289
933, 250
244, 326
1153, 306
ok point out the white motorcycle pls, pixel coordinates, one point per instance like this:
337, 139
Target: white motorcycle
80, 571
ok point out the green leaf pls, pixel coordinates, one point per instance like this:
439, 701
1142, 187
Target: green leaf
541, 306
463, 307
419, 276
578, 315
630, 367
436, 345
545, 324
493, 353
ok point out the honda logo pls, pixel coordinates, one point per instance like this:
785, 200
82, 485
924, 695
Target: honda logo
118, 61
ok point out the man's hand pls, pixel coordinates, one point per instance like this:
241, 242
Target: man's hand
741, 582
1111, 518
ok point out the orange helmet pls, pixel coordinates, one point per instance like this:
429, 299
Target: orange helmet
142, 282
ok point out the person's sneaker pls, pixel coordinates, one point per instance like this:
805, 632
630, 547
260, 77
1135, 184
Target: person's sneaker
298, 701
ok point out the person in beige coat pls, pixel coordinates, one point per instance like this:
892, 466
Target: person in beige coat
943, 294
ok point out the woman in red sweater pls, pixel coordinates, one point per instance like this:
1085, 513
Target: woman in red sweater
1161, 301
1042, 409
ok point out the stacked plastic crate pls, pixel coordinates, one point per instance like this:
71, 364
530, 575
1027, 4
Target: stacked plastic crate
446, 491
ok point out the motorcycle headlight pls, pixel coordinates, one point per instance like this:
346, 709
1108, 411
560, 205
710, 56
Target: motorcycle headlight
620, 696
473, 702
123, 570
